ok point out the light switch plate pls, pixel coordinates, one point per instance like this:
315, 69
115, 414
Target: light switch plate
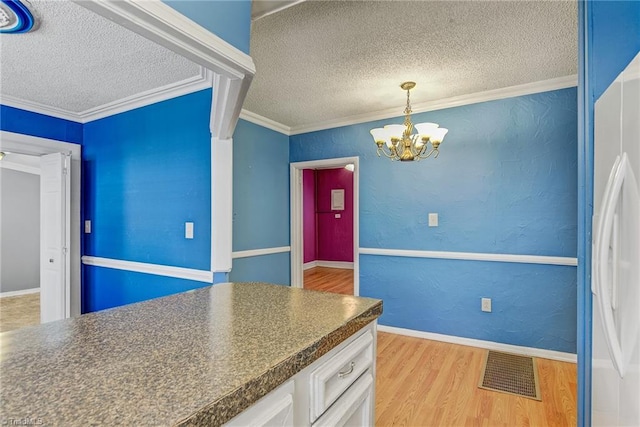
433, 220
188, 230
337, 216
87, 226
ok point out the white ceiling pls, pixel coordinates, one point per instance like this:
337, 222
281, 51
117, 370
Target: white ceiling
319, 61
78, 61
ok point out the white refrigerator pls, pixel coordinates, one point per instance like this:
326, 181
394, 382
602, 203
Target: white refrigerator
616, 253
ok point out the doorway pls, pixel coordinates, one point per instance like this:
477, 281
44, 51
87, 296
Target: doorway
331, 269
65, 300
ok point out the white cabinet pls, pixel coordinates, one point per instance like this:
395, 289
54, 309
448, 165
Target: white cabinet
335, 390
337, 373
274, 409
354, 408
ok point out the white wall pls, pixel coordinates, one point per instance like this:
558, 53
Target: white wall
20, 225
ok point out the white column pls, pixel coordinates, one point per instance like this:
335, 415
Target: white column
221, 204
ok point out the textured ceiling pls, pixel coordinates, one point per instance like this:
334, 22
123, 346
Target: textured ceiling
77, 60
324, 60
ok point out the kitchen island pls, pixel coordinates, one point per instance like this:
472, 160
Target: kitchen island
196, 358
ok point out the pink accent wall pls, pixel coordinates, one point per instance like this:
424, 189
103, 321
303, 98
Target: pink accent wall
335, 235
309, 214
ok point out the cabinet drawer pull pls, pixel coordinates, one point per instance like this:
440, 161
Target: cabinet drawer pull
345, 373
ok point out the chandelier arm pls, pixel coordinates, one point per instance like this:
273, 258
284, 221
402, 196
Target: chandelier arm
388, 155
427, 155
420, 154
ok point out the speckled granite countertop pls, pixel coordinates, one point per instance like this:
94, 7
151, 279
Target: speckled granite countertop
196, 358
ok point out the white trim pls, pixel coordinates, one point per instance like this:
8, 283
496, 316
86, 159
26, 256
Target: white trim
152, 96
36, 107
456, 101
221, 204
4, 164
264, 122
173, 90
259, 252
328, 264
335, 264
164, 25
35, 146
309, 265
18, 293
32, 145
156, 269
473, 256
160, 23
295, 194
489, 345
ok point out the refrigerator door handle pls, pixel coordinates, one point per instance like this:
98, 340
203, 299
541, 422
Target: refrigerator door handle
596, 231
605, 229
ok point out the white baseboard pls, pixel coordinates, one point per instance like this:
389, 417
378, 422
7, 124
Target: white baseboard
310, 264
334, 264
18, 293
489, 345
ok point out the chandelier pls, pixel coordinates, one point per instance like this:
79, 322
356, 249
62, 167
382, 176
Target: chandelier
398, 142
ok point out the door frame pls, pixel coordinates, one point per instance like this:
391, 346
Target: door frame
296, 193
36, 146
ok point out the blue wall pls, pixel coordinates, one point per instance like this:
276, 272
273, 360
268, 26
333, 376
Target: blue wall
111, 288
228, 19
145, 173
35, 124
505, 182
609, 40
260, 202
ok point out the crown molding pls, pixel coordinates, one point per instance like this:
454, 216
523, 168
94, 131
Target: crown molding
456, 101
173, 90
264, 122
183, 87
36, 107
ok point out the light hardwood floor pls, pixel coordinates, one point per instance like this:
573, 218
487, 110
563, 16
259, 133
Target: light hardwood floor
336, 280
430, 383
19, 311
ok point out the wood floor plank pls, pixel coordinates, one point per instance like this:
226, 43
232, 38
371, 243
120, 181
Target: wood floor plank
436, 385
336, 280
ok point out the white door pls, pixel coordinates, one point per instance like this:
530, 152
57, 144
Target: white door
55, 207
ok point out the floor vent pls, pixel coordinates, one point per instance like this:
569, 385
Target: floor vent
510, 373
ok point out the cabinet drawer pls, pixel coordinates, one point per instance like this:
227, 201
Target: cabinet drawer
354, 408
333, 377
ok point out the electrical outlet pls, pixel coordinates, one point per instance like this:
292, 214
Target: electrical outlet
433, 220
486, 305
